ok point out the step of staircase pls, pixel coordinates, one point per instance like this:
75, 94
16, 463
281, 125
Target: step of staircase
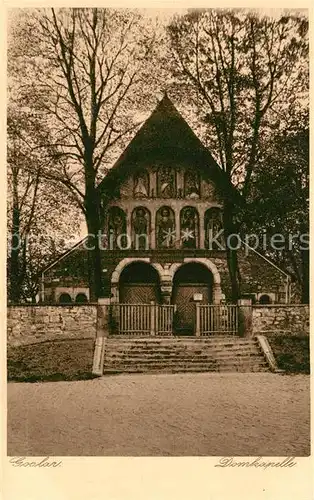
174, 355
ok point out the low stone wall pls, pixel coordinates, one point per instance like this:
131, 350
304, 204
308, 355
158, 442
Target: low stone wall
30, 324
283, 319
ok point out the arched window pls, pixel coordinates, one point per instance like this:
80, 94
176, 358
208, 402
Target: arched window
81, 298
189, 227
141, 228
65, 298
214, 237
165, 228
265, 299
117, 231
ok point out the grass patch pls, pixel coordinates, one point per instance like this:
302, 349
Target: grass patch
292, 353
51, 361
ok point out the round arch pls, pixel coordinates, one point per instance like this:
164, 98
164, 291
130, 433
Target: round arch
127, 261
65, 298
115, 278
216, 291
206, 262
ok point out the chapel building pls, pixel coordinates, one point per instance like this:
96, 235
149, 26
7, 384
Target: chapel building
163, 230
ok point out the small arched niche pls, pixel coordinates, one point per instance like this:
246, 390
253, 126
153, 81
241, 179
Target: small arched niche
165, 228
189, 227
65, 298
141, 184
141, 228
81, 298
213, 225
265, 299
117, 229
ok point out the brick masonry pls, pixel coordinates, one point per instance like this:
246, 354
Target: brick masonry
30, 324
290, 319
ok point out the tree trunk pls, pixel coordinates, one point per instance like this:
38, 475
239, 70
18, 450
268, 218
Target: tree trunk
94, 258
232, 256
305, 265
14, 271
305, 277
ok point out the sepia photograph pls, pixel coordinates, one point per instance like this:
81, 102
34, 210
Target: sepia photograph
158, 234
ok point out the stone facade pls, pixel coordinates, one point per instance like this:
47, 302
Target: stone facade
30, 324
281, 319
258, 277
165, 182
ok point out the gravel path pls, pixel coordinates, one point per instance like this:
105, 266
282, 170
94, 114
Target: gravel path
169, 415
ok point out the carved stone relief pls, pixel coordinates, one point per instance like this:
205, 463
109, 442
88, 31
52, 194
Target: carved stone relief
165, 228
189, 226
191, 185
141, 185
166, 183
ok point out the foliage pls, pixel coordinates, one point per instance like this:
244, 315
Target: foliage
292, 353
279, 202
87, 68
38, 214
246, 75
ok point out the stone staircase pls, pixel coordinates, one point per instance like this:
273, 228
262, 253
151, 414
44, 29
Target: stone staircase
175, 354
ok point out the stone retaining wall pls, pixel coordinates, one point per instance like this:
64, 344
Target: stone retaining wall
281, 319
30, 324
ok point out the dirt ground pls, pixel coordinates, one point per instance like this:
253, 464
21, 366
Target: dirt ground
206, 414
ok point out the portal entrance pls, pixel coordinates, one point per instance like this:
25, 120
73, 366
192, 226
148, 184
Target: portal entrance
139, 284
191, 283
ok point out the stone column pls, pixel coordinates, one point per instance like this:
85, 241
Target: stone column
245, 312
217, 294
198, 317
178, 232
180, 181
114, 293
129, 225
102, 332
152, 241
201, 228
166, 290
153, 183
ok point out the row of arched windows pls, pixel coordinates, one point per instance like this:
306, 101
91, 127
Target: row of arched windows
65, 298
167, 235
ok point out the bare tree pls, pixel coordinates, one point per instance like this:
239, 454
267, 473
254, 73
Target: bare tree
87, 72
246, 75
35, 207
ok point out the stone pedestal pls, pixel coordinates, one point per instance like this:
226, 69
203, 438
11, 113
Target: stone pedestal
102, 329
245, 312
166, 290
217, 295
102, 332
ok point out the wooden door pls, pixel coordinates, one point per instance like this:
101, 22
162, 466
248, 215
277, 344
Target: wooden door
186, 308
138, 293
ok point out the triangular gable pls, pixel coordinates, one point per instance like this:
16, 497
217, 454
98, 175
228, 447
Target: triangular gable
166, 137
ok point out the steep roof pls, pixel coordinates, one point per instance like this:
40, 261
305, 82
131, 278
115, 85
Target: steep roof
165, 137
